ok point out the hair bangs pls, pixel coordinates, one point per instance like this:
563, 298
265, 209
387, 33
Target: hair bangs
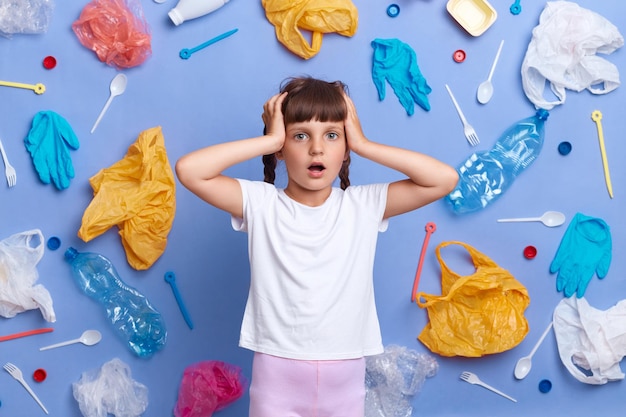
312, 99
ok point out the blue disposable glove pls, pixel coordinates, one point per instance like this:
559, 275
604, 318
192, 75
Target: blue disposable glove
395, 62
584, 250
49, 142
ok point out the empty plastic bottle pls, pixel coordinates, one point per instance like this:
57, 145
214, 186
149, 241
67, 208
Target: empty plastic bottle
191, 9
130, 312
485, 176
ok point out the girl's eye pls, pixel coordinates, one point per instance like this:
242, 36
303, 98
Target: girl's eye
333, 136
300, 136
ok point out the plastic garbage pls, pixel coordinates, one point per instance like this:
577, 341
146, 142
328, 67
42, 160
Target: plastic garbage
116, 30
394, 378
130, 312
49, 142
485, 176
395, 62
208, 386
19, 256
191, 9
317, 17
25, 16
591, 342
110, 390
562, 54
137, 194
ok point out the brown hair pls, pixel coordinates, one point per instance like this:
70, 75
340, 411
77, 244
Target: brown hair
311, 99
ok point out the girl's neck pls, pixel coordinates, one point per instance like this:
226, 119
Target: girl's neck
311, 198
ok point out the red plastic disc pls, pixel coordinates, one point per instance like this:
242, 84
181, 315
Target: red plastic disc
49, 62
530, 252
459, 55
39, 375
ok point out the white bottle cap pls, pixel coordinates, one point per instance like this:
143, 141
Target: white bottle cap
176, 17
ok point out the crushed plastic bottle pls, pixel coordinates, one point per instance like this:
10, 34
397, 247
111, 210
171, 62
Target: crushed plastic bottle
485, 176
130, 312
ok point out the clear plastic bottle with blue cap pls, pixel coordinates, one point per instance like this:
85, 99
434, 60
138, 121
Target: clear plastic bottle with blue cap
130, 312
485, 176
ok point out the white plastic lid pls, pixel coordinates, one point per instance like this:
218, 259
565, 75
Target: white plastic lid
176, 17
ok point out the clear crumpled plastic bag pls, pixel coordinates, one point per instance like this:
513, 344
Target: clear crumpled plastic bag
110, 390
208, 386
393, 378
19, 256
30, 17
563, 51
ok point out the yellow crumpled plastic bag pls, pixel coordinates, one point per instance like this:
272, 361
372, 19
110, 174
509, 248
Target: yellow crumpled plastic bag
316, 16
138, 194
478, 314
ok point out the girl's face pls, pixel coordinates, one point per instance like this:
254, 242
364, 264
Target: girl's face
313, 153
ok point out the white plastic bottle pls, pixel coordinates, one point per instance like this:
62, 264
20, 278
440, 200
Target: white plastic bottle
190, 9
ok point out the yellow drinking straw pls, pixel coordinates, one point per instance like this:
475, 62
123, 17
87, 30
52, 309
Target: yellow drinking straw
596, 116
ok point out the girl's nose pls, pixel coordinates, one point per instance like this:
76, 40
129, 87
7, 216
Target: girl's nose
316, 147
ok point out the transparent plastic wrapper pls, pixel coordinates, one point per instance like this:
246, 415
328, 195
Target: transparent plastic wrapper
25, 16
394, 378
208, 386
19, 256
485, 176
110, 390
562, 54
116, 30
130, 312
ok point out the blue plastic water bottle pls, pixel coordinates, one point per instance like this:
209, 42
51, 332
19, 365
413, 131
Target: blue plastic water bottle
130, 312
485, 176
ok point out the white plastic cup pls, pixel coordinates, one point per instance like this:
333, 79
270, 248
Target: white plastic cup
190, 9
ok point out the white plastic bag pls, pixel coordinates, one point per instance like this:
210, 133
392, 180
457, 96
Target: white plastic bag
591, 342
563, 50
19, 256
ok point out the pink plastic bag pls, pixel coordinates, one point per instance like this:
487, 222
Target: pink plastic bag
207, 387
116, 31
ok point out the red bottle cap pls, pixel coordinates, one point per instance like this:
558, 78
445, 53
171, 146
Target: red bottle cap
459, 55
530, 252
40, 374
49, 62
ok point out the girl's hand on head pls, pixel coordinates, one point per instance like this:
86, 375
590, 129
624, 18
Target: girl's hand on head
273, 119
352, 124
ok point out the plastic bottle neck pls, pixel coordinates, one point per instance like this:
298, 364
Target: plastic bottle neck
70, 254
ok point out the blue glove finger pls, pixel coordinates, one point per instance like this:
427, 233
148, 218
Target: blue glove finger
65, 131
419, 97
61, 169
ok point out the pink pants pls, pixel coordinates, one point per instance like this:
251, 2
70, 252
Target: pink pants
294, 388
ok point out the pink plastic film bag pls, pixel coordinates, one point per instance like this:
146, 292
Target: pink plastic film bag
207, 387
116, 31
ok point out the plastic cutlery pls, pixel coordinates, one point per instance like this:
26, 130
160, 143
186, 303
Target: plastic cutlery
88, 338
9, 171
186, 52
468, 130
549, 218
473, 379
522, 368
38, 88
485, 89
170, 278
117, 87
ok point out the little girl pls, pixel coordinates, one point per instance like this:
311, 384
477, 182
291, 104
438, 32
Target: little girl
310, 317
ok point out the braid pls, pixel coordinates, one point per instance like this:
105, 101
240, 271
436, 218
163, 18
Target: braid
344, 173
269, 168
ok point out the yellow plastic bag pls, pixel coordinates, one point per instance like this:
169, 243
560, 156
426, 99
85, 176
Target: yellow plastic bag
138, 194
316, 16
476, 315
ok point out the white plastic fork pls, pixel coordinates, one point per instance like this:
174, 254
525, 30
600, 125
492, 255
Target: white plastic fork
473, 379
9, 170
468, 130
17, 374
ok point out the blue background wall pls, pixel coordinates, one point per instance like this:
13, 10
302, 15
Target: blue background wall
217, 96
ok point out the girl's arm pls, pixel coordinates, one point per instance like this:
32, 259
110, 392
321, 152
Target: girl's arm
201, 171
428, 179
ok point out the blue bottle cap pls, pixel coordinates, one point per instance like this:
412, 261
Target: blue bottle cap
54, 243
393, 10
545, 385
565, 148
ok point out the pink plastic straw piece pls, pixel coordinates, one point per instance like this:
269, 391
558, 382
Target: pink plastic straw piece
430, 229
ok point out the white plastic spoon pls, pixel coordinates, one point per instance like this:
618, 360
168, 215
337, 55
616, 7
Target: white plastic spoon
485, 89
525, 363
88, 338
117, 87
549, 218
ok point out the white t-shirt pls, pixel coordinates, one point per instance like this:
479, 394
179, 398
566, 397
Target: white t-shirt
311, 289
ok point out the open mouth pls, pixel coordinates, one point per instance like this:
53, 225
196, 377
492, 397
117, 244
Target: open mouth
317, 167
